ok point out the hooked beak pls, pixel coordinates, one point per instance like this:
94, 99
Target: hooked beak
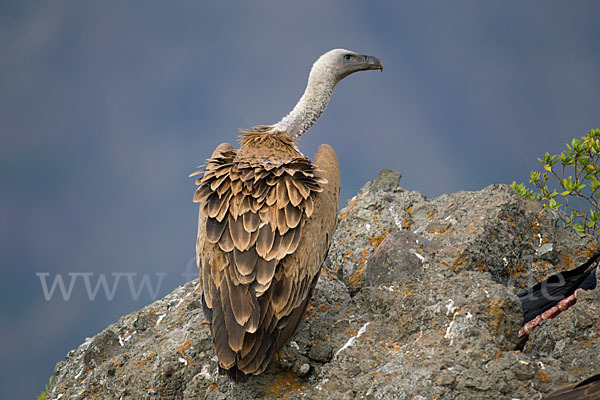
373, 62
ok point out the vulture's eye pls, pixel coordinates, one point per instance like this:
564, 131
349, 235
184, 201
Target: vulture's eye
347, 57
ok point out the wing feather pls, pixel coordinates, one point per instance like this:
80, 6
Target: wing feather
264, 242
281, 221
292, 215
240, 236
282, 194
265, 270
251, 221
235, 332
226, 242
245, 260
214, 229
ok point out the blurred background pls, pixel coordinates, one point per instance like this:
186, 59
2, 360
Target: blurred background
107, 106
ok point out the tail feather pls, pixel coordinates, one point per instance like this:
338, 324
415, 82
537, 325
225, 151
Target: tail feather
234, 374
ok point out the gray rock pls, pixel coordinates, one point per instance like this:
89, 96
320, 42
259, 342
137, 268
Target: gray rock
321, 353
399, 256
388, 180
383, 323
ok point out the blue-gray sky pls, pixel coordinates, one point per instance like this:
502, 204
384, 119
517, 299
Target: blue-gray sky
106, 106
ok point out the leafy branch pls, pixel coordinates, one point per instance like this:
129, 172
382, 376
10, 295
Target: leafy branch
576, 172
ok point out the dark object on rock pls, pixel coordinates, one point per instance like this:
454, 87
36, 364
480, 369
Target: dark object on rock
587, 389
554, 295
549, 292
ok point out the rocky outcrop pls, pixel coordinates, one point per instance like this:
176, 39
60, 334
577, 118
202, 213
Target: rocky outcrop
416, 300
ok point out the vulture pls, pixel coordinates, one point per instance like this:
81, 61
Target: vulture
267, 216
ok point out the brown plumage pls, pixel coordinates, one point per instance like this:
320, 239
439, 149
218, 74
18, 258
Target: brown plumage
267, 216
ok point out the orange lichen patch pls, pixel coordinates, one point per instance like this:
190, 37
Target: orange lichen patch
496, 310
458, 263
284, 385
535, 227
543, 267
470, 229
310, 312
343, 216
376, 240
183, 346
518, 271
324, 308
349, 332
436, 229
407, 219
391, 347
431, 214
327, 273
518, 239
591, 251
357, 279
507, 217
180, 350
374, 217
544, 378
481, 266
348, 254
567, 260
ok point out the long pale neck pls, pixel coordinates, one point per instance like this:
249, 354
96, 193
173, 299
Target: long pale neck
310, 106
